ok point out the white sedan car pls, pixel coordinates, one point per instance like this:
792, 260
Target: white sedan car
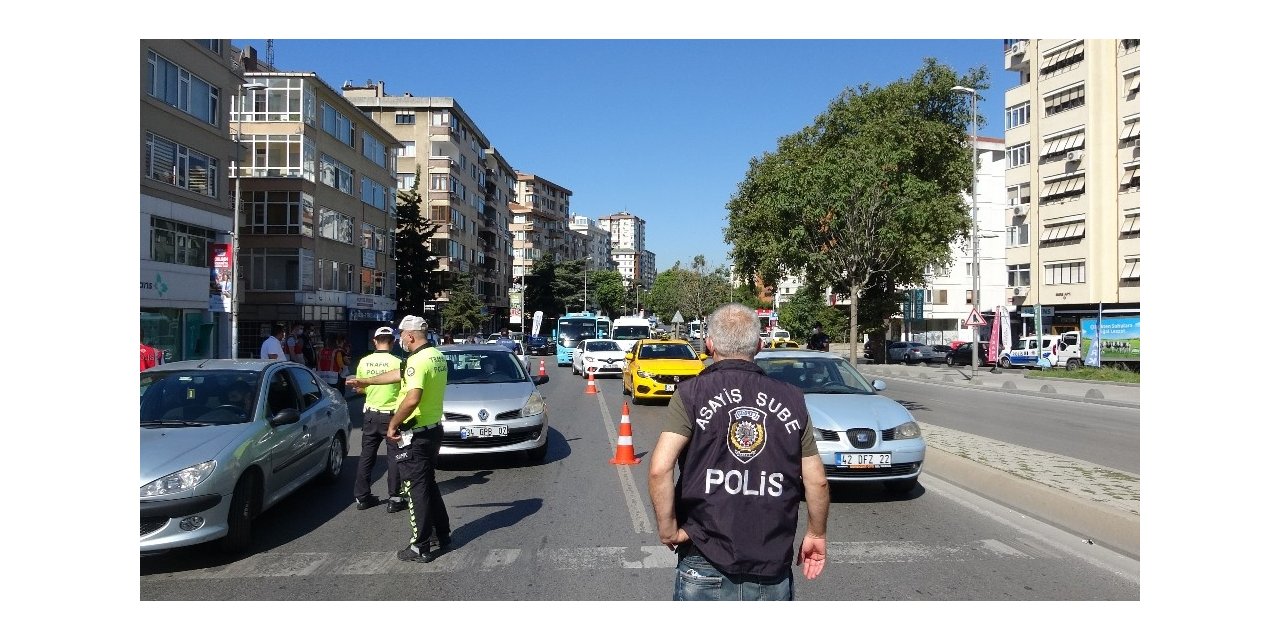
597, 356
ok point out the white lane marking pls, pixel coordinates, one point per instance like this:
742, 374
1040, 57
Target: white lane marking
364, 563
900, 551
630, 492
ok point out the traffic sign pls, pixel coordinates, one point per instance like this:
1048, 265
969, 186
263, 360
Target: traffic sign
975, 319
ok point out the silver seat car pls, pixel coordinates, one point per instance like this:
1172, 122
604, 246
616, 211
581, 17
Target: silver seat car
224, 440
862, 436
492, 404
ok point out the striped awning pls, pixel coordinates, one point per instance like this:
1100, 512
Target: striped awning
1132, 270
1063, 187
1131, 130
1062, 232
1064, 53
1065, 142
1130, 175
1131, 224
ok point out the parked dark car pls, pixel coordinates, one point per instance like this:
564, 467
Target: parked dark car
540, 346
910, 352
963, 355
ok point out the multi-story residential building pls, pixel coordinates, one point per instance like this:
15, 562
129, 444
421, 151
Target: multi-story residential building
541, 211
466, 187
318, 209
948, 295
1073, 179
626, 243
185, 203
596, 238
648, 268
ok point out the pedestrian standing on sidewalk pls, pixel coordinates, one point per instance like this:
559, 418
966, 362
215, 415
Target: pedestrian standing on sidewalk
818, 340
150, 355
379, 405
744, 465
415, 434
272, 348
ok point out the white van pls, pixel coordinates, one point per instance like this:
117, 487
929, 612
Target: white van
629, 329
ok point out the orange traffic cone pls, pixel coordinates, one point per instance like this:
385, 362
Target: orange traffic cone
591, 384
542, 367
626, 453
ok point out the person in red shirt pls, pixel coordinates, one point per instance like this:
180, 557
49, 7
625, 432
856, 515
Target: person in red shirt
151, 356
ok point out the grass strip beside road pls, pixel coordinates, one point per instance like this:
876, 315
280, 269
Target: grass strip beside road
1104, 374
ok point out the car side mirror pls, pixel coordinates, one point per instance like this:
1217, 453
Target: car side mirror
537, 380
285, 416
702, 356
879, 385
629, 356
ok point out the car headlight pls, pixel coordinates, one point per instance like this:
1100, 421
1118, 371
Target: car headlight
534, 406
644, 374
178, 482
906, 430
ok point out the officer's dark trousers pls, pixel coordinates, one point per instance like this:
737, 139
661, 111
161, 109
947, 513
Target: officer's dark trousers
375, 434
418, 474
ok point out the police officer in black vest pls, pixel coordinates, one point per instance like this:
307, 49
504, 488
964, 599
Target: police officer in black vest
746, 452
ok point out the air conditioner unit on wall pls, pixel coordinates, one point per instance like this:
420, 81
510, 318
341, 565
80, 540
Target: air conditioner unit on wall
1019, 292
1018, 47
1075, 156
1019, 209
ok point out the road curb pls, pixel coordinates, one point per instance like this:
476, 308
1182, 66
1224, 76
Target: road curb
1104, 525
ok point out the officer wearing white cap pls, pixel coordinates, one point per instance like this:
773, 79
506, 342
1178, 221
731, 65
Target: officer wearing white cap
414, 433
379, 404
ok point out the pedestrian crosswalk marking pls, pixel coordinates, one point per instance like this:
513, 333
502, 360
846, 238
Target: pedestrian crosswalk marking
364, 563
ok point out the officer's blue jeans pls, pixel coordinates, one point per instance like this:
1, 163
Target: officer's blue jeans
696, 579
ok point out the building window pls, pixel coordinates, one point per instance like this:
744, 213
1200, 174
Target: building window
1132, 178
1062, 59
1132, 269
968, 297
274, 269
1131, 225
373, 194
182, 89
406, 117
440, 182
374, 150
1062, 187
336, 226
1058, 144
1017, 235
274, 155
1018, 155
1019, 194
935, 296
337, 125
276, 212
178, 243
1132, 80
404, 181
182, 166
1017, 115
1019, 275
281, 101
337, 175
1064, 99
1064, 273
212, 45
1062, 231
408, 149
1129, 45
1131, 132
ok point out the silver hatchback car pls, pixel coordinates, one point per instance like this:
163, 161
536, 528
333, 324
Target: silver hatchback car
861, 436
492, 404
224, 440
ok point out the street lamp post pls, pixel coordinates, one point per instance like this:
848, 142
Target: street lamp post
973, 212
639, 288
235, 221
522, 296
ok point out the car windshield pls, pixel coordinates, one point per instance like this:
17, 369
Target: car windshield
197, 398
603, 345
483, 367
817, 375
630, 333
673, 351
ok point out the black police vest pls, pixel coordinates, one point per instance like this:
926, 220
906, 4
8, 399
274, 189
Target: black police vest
740, 483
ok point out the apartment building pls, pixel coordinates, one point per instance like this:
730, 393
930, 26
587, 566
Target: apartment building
466, 188
185, 204
626, 244
596, 238
318, 209
539, 222
1073, 179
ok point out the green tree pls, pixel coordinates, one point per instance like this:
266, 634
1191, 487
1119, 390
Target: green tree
608, 292
868, 195
747, 294
664, 297
463, 314
414, 260
810, 305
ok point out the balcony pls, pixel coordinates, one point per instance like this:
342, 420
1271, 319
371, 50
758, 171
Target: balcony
443, 162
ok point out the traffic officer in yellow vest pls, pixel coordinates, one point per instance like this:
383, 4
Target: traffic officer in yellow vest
379, 404
414, 433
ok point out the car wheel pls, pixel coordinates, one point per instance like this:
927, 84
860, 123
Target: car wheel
1073, 364
244, 507
333, 465
539, 454
901, 487
1005, 364
951, 360
625, 390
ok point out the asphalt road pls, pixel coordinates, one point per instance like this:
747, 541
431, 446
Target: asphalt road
575, 527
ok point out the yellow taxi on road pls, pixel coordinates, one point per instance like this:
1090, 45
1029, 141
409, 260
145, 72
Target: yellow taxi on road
654, 367
781, 343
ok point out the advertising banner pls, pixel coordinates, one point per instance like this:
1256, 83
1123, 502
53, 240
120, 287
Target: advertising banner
1118, 337
537, 323
220, 285
998, 329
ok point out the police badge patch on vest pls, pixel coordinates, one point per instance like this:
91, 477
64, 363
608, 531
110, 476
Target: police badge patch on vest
747, 435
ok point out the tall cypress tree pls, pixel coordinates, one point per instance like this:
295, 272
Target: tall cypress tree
414, 259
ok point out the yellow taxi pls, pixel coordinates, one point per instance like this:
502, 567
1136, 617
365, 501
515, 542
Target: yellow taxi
781, 343
654, 367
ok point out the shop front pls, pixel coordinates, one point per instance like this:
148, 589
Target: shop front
365, 313
174, 312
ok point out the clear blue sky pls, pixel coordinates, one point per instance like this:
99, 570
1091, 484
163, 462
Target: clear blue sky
661, 128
